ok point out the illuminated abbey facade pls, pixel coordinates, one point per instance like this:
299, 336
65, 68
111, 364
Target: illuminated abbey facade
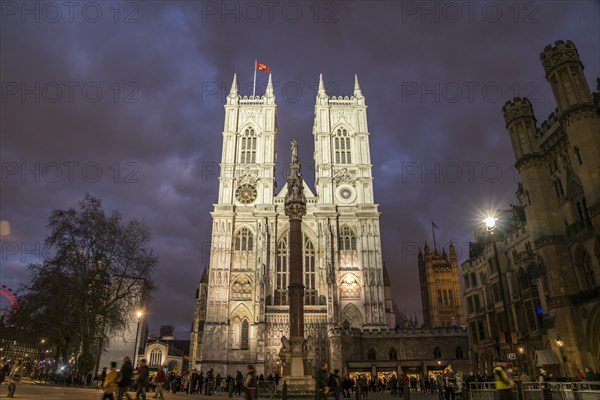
242, 301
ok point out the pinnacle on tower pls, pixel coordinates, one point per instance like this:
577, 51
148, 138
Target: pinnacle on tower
234, 90
357, 93
269, 91
321, 93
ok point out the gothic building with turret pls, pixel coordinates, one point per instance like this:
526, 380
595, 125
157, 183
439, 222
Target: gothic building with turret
547, 271
242, 303
440, 287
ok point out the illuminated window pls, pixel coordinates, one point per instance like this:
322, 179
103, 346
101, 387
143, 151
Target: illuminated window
155, 357
248, 147
244, 241
342, 147
310, 276
347, 239
281, 272
311, 294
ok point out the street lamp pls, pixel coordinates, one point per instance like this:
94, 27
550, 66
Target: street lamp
560, 343
139, 314
490, 224
522, 358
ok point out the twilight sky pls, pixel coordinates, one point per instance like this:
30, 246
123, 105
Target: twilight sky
125, 101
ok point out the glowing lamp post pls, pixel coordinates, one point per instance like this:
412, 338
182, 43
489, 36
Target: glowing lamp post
560, 343
490, 224
139, 315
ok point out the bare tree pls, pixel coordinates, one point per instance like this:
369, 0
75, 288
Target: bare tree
99, 270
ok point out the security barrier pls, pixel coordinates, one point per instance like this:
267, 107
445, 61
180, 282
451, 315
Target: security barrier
539, 391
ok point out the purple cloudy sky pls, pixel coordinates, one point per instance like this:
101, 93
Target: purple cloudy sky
125, 101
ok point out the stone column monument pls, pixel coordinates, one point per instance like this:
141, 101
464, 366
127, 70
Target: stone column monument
296, 352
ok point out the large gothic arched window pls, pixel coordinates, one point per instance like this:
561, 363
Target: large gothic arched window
583, 264
281, 272
244, 339
310, 275
341, 142
311, 293
248, 147
243, 257
155, 357
347, 239
244, 241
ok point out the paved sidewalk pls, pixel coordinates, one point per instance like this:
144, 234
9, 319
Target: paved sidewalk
35, 391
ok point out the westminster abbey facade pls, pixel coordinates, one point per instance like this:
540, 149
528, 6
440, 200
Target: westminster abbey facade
242, 300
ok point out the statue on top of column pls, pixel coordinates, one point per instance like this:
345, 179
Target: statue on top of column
295, 201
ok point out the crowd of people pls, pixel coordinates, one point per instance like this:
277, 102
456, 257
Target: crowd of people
448, 384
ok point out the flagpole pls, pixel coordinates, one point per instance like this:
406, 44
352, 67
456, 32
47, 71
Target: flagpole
433, 232
254, 86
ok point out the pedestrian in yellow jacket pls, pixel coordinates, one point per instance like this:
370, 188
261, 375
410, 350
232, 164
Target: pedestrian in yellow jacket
110, 383
504, 383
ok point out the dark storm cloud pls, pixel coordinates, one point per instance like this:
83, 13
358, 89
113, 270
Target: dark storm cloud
434, 80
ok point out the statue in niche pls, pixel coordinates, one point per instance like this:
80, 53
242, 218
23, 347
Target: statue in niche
285, 344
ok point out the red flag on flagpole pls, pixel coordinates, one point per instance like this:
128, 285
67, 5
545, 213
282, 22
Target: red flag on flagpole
262, 67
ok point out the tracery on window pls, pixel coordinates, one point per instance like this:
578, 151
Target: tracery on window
281, 276
244, 339
244, 240
155, 357
248, 147
342, 147
347, 239
310, 275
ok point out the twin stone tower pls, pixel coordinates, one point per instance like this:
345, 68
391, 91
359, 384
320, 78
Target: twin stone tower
289, 269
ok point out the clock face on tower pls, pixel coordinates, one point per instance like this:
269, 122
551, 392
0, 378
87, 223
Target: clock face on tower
246, 193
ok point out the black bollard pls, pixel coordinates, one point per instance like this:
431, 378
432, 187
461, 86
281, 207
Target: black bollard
407, 392
519, 390
230, 389
576, 393
284, 391
546, 394
357, 392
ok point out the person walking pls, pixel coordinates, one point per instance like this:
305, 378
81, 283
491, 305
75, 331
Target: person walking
503, 382
14, 377
125, 376
335, 384
159, 381
4, 370
450, 383
323, 382
110, 385
250, 382
143, 380
239, 380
